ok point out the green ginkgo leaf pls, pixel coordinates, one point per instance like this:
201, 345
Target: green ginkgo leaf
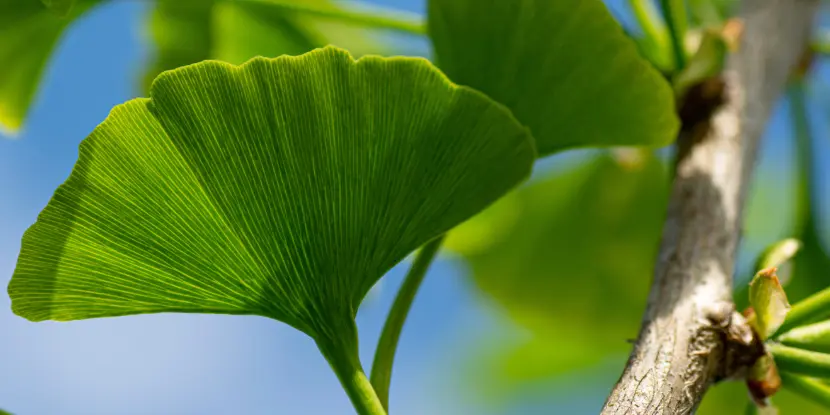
283, 187
181, 32
186, 32
61, 7
566, 252
565, 68
28, 33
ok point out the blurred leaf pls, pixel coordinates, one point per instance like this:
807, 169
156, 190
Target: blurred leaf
812, 389
677, 21
187, 32
706, 63
285, 188
778, 254
60, 7
705, 13
811, 265
570, 251
654, 43
811, 337
767, 298
560, 66
246, 29
799, 361
182, 33
28, 33
813, 308
727, 398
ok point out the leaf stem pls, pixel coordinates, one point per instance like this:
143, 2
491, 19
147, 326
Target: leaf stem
379, 18
342, 355
646, 18
676, 20
654, 31
387, 345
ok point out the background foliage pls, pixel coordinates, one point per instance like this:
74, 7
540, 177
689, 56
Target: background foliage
559, 269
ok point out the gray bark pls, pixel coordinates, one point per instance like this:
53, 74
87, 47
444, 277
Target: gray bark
691, 337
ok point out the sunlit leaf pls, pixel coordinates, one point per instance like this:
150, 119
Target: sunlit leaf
186, 32
561, 66
29, 32
285, 188
571, 251
767, 298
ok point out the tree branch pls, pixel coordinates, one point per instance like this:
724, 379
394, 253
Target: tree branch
691, 336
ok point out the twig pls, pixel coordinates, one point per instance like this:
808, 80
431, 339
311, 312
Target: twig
691, 336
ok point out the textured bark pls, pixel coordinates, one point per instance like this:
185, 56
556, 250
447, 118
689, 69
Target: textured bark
690, 336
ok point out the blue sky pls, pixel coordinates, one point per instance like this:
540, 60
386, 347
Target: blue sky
208, 364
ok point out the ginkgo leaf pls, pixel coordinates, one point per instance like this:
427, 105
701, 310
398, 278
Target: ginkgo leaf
61, 7
186, 32
181, 32
246, 29
560, 66
28, 33
283, 187
566, 252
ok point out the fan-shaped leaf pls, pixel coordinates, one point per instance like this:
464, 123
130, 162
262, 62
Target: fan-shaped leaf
284, 187
186, 32
28, 33
570, 251
560, 66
